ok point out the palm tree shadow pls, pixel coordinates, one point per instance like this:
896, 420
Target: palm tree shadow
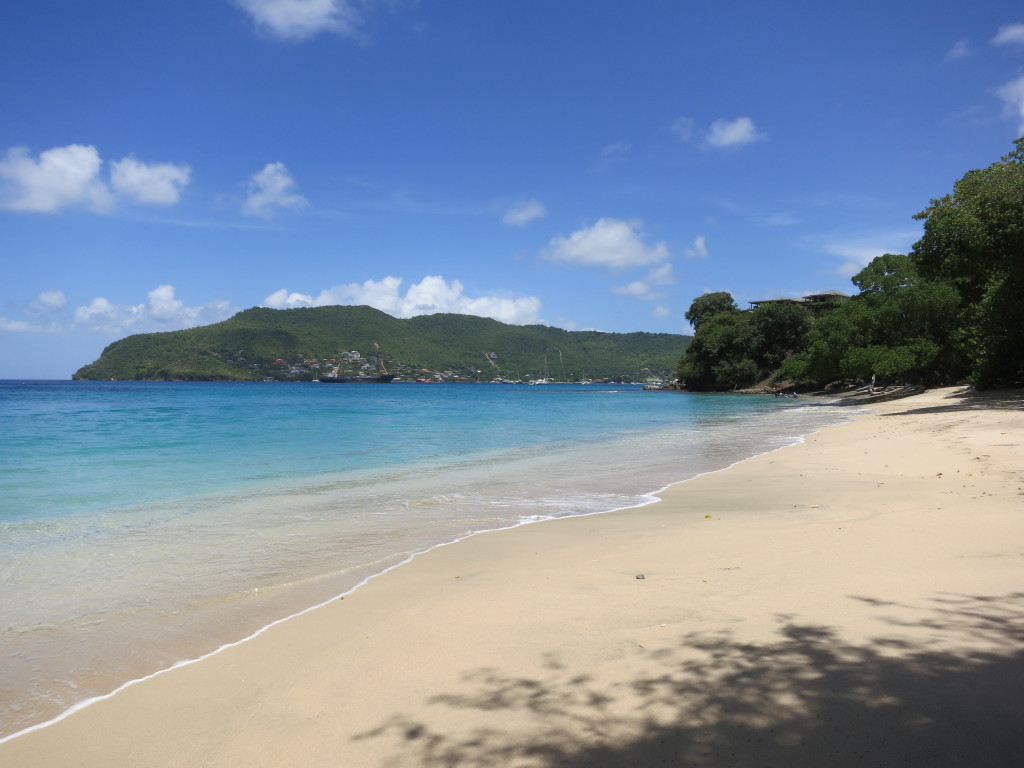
808, 699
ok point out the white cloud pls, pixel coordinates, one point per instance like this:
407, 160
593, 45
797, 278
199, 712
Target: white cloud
14, 326
269, 189
48, 301
699, 249
662, 275
65, 177
162, 312
683, 127
523, 212
21, 326
302, 19
282, 299
433, 294
637, 288
609, 243
660, 311
857, 253
60, 178
733, 133
960, 50
155, 183
644, 289
1009, 34
1012, 94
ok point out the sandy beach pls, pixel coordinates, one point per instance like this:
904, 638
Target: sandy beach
854, 600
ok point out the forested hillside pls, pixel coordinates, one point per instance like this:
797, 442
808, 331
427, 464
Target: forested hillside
298, 344
951, 310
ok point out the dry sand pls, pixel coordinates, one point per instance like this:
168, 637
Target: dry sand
857, 600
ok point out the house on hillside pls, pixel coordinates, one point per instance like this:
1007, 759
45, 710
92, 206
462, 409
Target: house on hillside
826, 297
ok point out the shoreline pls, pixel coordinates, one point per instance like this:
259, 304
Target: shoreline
302, 596
649, 497
412, 615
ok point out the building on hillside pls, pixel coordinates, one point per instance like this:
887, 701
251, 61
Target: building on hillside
826, 297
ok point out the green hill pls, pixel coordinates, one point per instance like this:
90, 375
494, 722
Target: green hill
296, 344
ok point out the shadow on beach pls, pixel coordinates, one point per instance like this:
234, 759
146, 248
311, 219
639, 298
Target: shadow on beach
809, 699
972, 400
960, 400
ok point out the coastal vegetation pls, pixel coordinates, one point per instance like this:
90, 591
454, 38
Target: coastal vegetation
949, 311
299, 344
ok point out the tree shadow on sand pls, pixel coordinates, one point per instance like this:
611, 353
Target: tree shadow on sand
972, 400
953, 696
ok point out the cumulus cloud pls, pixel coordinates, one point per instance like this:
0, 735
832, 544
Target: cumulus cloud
699, 250
608, 243
155, 183
1012, 94
1009, 34
303, 19
48, 301
523, 212
66, 177
60, 178
733, 133
282, 299
269, 190
721, 134
433, 294
645, 289
161, 312
660, 311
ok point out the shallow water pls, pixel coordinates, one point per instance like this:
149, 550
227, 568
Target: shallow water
145, 523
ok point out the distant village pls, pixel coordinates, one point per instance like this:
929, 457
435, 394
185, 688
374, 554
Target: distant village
354, 363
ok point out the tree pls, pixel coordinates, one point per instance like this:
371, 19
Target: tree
733, 349
779, 331
974, 240
718, 358
900, 327
707, 306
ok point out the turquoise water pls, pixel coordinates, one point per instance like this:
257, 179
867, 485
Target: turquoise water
144, 523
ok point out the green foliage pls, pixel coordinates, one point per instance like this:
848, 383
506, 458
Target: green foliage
733, 349
898, 328
974, 241
248, 346
951, 310
707, 306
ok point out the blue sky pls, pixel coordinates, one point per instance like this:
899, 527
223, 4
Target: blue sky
580, 163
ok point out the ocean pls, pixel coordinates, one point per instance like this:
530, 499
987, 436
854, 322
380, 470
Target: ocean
143, 524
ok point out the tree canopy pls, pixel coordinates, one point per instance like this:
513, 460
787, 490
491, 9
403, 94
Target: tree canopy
974, 241
950, 310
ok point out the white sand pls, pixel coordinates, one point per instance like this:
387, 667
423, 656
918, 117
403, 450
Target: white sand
855, 600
